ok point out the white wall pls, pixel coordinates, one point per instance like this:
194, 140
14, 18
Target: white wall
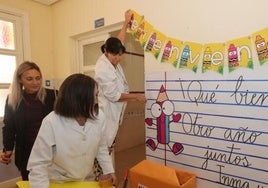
188, 20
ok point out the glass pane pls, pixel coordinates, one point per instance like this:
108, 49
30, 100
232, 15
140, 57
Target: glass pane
6, 35
7, 68
3, 97
91, 53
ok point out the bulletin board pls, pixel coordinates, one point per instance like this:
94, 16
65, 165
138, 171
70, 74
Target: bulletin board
208, 115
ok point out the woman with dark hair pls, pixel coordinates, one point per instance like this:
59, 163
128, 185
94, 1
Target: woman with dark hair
113, 86
71, 137
27, 104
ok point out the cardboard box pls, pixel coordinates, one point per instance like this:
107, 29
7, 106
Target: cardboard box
148, 174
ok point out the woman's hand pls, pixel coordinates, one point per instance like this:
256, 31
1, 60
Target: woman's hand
107, 179
132, 96
141, 98
5, 157
128, 15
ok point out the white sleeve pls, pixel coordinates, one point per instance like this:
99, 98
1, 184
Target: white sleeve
41, 156
103, 156
107, 82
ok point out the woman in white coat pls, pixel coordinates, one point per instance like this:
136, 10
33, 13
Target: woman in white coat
113, 87
71, 137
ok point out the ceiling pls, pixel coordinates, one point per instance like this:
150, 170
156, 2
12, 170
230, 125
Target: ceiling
46, 2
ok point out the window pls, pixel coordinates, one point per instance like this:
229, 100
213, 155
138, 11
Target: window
88, 47
89, 50
14, 42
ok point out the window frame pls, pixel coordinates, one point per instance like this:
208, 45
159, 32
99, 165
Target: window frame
96, 35
22, 37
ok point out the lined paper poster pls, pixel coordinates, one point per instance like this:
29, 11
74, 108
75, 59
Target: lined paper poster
213, 125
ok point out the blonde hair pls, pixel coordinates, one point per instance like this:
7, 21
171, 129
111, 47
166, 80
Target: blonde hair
16, 89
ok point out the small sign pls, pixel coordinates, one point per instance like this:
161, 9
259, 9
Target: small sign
99, 22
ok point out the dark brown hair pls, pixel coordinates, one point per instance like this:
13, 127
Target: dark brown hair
76, 97
113, 45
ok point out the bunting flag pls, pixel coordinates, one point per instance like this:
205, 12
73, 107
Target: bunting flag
260, 40
190, 55
155, 43
134, 25
239, 53
213, 57
184, 54
172, 50
143, 32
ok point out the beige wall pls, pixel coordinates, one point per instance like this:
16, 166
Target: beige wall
72, 17
188, 20
40, 32
194, 20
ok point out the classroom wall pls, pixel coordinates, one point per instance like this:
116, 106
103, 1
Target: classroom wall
197, 21
188, 20
73, 17
204, 22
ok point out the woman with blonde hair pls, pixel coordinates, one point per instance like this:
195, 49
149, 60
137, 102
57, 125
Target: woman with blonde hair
27, 104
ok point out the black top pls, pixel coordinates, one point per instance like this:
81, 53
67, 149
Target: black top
21, 126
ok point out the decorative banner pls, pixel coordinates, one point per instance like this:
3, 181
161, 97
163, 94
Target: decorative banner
239, 50
172, 51
134, 24
143, 32
190, 55
213, 57
239, 53
260, 40
155, 43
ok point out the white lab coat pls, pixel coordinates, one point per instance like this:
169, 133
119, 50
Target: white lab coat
111, 83
65, 151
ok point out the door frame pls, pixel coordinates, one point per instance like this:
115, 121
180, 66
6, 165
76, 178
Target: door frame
100, 34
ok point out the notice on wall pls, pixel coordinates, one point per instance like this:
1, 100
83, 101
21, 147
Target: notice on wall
213, 125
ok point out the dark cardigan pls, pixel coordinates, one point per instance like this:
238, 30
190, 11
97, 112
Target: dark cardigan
14, 125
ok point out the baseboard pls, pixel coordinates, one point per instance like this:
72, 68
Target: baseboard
10, 183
